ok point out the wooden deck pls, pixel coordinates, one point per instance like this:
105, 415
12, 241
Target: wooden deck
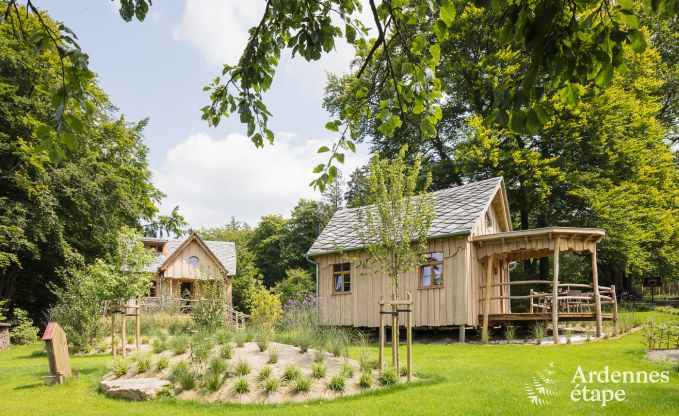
563, 316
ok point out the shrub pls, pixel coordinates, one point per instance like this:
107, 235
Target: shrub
120, 366
265, 373
158, 345
291, 372
226, 351
162, 363
388, 377
217, 365
180, 344
209, 312
265, 306
142, 361
538, 331
270, 385
78, 309
510, 333
347, 370
366, 380
318, 370
303, 384
242, 368
338, 383
241, 386
24, 332
273, 355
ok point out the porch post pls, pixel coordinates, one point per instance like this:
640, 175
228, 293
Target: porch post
615, 309
555, 288
486, 298
597, 296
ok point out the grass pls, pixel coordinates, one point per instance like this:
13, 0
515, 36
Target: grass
338, 382
318, 370
470, 379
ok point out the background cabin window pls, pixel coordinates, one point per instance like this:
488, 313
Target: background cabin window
341, 277
193, 261
431, 272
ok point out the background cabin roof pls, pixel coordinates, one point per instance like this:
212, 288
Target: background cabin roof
224, 251
458, 210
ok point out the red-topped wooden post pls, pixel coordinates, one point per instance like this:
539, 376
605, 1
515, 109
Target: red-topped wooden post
57, 354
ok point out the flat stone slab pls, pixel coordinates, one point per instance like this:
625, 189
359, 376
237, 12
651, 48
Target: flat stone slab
663, 355
134, 388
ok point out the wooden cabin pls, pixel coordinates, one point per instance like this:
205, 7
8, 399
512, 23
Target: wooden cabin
179, 264
471, 245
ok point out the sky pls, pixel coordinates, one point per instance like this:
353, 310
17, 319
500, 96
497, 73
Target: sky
157, 69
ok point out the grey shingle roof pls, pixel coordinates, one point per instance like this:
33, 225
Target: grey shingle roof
458, 210
225, 251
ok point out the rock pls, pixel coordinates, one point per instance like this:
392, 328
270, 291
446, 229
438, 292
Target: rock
134, 388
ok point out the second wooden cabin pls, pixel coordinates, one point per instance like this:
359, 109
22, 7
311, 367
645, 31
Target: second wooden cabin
470, 238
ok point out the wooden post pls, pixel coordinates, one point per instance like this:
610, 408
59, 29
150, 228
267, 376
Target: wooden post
394, 333
597, 296
463, 329
486, 298
555, 294
137, 334
113, 331
530, 305
409, 335
381, 349
57, 354
123, 340
615, 310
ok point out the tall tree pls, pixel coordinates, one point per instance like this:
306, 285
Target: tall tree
52, 213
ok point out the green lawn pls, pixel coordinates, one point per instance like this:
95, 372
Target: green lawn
468, 379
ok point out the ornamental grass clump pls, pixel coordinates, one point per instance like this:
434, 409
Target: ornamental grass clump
120, 366
180, 344
273, 355
262, 340
226, 351
200, 349
212, 381
142, 361
265, 373
270, 385
158, 345
217, 365
224, 336
241, 386
291, 372
318, 370
240, 338
538, 331
510, 333
338, 383
366, 380
303, 384
242, 368
388, 377
347, 370
187, 379
162, 362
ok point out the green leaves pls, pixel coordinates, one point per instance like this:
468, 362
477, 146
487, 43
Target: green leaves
447, 12
571, 93
134, 8
637, 40
604, 76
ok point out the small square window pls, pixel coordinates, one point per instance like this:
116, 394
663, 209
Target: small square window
342, 277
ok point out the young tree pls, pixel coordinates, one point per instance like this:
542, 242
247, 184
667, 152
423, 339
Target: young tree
395, 228
297, 285
165, 225
122, 276
357, 188
333, 196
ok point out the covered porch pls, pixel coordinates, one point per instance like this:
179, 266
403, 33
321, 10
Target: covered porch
548, 300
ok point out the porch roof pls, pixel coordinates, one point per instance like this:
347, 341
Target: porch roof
537, 242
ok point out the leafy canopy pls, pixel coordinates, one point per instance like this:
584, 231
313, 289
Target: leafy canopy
395, 228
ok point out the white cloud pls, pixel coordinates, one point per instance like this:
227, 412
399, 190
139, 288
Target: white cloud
218, 28
214, 179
